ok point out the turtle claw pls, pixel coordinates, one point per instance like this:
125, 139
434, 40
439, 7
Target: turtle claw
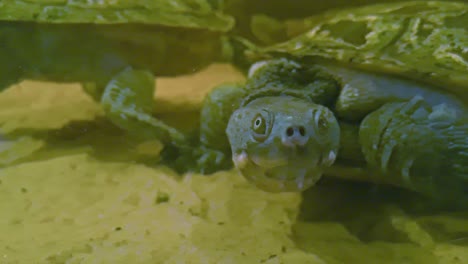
408, 147
386, 155
412, 106
389, 136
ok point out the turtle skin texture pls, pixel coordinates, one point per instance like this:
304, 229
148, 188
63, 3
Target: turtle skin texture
324, 103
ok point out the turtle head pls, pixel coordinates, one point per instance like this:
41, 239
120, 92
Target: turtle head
283, 143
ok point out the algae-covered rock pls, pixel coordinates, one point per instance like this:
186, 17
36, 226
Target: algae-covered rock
44, 105
65, 206
77, 210
85, 197
334, 244
451, 254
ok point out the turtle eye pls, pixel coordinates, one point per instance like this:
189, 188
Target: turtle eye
261, 126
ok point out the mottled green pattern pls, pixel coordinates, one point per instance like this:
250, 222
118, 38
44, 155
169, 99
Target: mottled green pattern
175, 13
285, 133
423, 39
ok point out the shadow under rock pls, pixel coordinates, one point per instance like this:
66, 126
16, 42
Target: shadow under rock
103, 140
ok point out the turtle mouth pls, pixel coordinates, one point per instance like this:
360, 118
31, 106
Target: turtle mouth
278, 175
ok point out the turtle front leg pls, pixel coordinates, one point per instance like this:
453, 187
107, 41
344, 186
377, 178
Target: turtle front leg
217, 109
212, 152
420, 147
128, 101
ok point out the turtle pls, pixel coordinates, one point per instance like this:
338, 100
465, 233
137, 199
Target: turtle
115, 48
374, 93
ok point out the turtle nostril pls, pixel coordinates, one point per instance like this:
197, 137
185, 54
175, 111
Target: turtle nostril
296, 131
302, 131
290, 131
295, 136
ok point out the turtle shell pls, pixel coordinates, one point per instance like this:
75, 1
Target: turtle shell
173, 13
422, 40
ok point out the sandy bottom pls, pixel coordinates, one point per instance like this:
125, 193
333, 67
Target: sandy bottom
79, 191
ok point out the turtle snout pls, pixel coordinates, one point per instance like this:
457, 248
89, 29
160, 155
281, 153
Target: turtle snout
295, 136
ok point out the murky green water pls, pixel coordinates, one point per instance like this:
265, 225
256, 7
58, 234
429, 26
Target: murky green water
88, 193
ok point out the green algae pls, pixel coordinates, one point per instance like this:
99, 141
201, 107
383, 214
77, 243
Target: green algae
90, 194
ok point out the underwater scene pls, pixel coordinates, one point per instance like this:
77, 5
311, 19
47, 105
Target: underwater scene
233, 131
